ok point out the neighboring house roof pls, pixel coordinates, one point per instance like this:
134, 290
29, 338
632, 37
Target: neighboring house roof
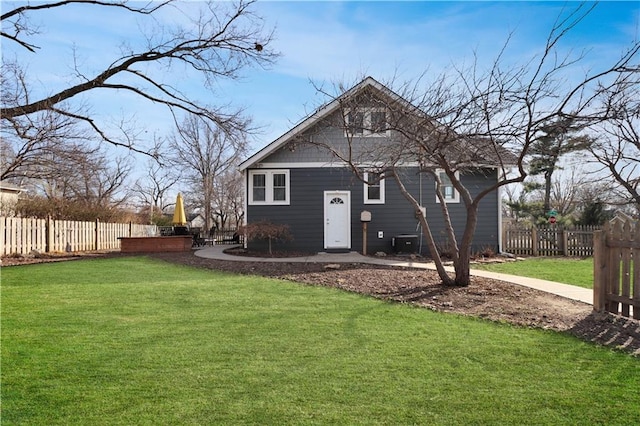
9, 187
477, 150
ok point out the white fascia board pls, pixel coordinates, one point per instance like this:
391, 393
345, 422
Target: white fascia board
299, 128
300, 165
328, 164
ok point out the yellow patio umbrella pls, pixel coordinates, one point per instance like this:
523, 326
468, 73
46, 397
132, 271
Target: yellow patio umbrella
179, 218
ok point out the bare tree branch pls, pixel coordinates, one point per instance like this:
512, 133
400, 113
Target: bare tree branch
219, 42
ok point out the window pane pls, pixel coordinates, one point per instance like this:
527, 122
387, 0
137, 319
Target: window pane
259, 181
279, 187
279, 180
259, 187
373, 187
259, 194
447, 191
373, 192
445, 179
378, 121
447, 187
279, 194
371, 178
355, 122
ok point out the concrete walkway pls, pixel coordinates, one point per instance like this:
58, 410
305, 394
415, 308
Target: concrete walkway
565, 290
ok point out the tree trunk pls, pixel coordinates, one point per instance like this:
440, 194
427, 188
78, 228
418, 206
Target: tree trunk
433, 250
426, 231
547, 190
463, 274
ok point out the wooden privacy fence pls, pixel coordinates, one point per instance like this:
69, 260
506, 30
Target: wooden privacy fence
23, 235
616, 285
549, 240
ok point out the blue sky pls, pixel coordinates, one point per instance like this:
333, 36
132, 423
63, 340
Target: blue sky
325, 42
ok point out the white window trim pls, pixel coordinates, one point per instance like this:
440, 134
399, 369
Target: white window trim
366, 192
456, 194
269, 201
366, 123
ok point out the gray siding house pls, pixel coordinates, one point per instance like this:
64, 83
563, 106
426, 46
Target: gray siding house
304, 185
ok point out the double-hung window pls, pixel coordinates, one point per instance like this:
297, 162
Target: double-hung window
269, 187
378, 121
373, 188
449, 192
355, 122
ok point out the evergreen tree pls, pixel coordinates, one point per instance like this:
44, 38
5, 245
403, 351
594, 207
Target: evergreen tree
558, 138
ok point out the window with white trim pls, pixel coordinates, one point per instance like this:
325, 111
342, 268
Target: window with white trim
373, 188
448, 190
269, 187
366, 122
355, 122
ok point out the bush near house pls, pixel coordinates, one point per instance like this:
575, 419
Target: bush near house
266, 230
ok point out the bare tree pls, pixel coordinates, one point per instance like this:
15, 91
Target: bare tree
215, 40
461, 123
228, 198
204, 152
81, 186
91, 180
617, 145
38, 146
152, 189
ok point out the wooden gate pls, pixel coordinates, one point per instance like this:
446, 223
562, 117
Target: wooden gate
616, 286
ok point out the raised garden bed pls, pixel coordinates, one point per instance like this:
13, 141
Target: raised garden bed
176, 243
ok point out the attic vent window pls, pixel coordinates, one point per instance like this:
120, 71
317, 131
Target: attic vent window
366, 122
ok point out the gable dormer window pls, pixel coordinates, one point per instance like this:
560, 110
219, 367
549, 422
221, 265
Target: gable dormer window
355, 122
366, 122
378, 121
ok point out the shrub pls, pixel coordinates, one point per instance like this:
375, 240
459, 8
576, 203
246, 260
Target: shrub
265, 230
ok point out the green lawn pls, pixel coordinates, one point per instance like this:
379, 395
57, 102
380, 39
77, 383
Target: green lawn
566, 270
137, 341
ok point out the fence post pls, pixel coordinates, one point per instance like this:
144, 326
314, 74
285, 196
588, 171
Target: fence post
534, 241
96, 233
636, 272
130, 229
565, 242
48, 232
600, 273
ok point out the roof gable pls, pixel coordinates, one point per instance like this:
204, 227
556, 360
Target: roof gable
470, 150
317, 116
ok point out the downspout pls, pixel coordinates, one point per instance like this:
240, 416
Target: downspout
245, 190
500, 215
418, 229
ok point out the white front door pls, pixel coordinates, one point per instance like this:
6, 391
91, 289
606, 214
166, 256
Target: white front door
337, 223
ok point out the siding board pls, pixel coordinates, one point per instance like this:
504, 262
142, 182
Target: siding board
305, 214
